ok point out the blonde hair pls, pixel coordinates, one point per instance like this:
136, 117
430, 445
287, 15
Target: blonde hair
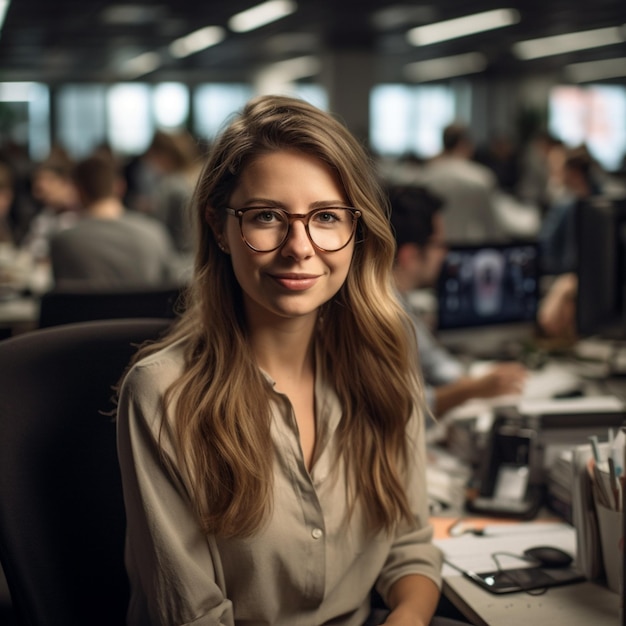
222, 413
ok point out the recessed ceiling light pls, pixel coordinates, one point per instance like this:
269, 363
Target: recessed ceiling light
559, 44
142, 64
596, 70
400, 15
261, 14
196, 41
130, 14
446, 67
4, 6
462, 26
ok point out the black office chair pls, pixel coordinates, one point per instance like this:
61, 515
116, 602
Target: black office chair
68, 306
62, 519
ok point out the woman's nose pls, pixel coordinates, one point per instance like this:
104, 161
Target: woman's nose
298, 243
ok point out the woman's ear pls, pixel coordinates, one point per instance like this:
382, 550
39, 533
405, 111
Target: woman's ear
217, 226
222, 244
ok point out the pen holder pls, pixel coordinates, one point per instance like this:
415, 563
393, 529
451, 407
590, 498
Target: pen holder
610, 532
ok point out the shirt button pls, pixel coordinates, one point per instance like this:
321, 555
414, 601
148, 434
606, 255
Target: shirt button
316, 533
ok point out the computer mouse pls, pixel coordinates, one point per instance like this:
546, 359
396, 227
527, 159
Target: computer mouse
569, 393
549, 556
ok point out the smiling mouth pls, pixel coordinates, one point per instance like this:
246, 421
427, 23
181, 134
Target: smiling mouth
295, 282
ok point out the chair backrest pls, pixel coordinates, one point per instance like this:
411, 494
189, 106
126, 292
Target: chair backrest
64, 306
62, 521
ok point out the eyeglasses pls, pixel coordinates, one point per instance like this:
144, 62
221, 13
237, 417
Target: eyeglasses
265, 229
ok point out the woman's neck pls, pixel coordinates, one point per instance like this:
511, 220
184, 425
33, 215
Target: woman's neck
285, 352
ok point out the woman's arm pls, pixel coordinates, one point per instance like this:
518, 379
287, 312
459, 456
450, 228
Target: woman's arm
410, 580
413, 600
501, 379
174, 570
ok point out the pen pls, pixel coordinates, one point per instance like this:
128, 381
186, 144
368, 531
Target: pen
615, 485
594, 447
616, 450
602, 495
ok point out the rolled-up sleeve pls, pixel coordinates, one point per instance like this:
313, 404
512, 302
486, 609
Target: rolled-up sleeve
412, 551
174, 569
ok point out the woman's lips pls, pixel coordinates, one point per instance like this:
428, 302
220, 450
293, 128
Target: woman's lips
295, 282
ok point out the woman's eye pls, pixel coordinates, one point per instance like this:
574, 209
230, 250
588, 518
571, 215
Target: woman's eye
327, 217
266, 217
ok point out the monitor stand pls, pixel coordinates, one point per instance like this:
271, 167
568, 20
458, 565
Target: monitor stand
502, 342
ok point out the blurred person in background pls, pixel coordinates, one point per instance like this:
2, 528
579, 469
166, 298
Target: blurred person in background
556, 317
501, 156
7, 199
466, 187
417, 220
533, 184
171, 166
54, 192
110, 247
18, 207
574, 180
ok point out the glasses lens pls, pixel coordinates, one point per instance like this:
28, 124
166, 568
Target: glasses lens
266, 229
331, 229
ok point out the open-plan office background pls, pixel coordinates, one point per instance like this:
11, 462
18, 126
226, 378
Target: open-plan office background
84, 74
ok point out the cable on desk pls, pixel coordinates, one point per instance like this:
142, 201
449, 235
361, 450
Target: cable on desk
514, 579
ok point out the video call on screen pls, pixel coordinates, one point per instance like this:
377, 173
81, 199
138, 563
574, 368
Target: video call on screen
488, 285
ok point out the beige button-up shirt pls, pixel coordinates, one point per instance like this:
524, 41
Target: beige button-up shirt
306, 566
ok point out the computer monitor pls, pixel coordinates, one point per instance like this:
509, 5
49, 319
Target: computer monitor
601, 237
490, 293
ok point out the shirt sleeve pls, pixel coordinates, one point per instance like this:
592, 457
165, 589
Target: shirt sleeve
174, 569
412, 551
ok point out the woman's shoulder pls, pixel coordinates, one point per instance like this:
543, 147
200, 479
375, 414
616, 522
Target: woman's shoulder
155, 372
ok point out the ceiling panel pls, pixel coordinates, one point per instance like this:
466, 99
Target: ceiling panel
88, 40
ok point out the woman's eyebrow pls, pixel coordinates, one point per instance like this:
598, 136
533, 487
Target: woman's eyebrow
318, 204
322, 204
262, 202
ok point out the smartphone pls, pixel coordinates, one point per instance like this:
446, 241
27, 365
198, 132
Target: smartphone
523, 578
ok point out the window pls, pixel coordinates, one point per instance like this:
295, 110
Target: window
171, 105
214, 103
407, 119
81, 118
25, 116
130, 121
594, 115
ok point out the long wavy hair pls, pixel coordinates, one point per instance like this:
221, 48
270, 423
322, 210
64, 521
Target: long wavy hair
221, 425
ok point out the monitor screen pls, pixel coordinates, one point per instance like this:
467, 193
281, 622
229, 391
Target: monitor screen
601, 238
488, 284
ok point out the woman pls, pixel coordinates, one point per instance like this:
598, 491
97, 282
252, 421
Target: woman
271, 446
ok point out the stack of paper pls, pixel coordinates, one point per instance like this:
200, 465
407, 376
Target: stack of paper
559, 483
506, 542
584, 514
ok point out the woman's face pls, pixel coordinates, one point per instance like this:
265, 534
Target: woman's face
297, 278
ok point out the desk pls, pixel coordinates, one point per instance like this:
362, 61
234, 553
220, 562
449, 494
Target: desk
19, 314
465, 430
19, 295
579, 604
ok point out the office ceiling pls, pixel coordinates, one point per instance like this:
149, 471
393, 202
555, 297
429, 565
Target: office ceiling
58, 41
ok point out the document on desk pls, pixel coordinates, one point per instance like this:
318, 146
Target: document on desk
474, 552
